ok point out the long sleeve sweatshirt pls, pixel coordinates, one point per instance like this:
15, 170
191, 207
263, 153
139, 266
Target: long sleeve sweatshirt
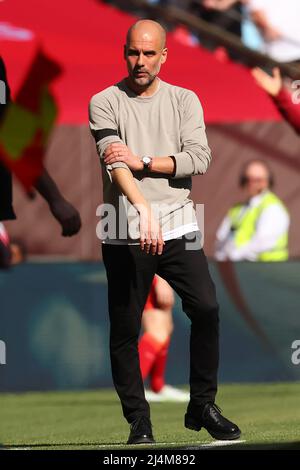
167, 123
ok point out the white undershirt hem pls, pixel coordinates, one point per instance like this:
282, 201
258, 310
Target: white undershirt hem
170, 235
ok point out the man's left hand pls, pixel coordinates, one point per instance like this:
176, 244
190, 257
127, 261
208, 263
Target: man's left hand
118, 152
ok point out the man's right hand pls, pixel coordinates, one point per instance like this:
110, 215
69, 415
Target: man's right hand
151, 238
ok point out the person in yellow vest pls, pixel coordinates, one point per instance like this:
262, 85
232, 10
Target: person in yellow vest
256, 229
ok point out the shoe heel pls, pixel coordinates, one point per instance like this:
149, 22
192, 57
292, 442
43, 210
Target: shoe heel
191, 423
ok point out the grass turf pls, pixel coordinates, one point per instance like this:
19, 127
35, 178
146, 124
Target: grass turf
268, 415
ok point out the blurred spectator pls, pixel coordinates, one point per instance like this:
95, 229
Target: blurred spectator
67, 216
6, 208
5, 253
278, 22
226, 14
273, 84
256, 229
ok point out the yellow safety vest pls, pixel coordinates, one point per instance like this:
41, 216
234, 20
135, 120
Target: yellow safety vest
243, 225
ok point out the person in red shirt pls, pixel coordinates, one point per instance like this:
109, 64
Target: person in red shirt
273, 85
154, 344
62, 210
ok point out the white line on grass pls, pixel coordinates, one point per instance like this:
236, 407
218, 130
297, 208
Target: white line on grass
215, 444
185, 446
17, 448
181, 446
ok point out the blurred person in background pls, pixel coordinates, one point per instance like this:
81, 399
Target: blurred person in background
12, 252
5, 253
256, 229
64, 212
6, 208
231, 15
154, 344
226, 14
278, 23
282, 97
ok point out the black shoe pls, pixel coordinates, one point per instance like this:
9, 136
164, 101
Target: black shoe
141, 431
212, 420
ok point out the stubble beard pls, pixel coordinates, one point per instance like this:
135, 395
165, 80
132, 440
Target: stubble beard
143, 82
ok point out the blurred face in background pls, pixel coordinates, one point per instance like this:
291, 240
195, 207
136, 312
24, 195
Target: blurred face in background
144, 53
257, 179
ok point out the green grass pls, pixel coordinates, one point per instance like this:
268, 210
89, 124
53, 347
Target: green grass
268, 414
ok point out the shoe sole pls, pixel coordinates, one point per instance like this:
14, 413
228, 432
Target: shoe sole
142, 440
190, 423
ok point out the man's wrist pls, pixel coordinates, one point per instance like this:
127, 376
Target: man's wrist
150, 164
146, 161
141, 164
143, 208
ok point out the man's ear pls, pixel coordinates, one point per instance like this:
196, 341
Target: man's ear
125, 52
164, 55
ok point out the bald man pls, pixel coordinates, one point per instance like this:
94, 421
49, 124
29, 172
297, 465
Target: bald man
150, 137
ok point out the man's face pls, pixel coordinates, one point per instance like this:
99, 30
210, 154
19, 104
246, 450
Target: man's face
144, 55
257, 179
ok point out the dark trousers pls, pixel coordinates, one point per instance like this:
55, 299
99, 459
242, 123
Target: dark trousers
129, 274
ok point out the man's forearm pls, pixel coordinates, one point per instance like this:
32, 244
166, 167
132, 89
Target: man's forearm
181, 165
150, 232
289, 110
162, 165
47, 188
125, 182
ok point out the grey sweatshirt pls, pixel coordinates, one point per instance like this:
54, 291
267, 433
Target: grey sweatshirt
167, 123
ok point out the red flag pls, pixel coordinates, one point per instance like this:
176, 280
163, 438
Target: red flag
28, 121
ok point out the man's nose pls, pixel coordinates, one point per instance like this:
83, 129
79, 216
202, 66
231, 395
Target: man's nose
140, 61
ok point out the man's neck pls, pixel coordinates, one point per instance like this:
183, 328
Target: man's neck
149, 90
257, 197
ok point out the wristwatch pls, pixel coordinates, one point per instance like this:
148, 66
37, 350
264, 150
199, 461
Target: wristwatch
147, 162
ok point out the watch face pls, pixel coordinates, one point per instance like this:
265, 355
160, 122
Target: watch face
146, 160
